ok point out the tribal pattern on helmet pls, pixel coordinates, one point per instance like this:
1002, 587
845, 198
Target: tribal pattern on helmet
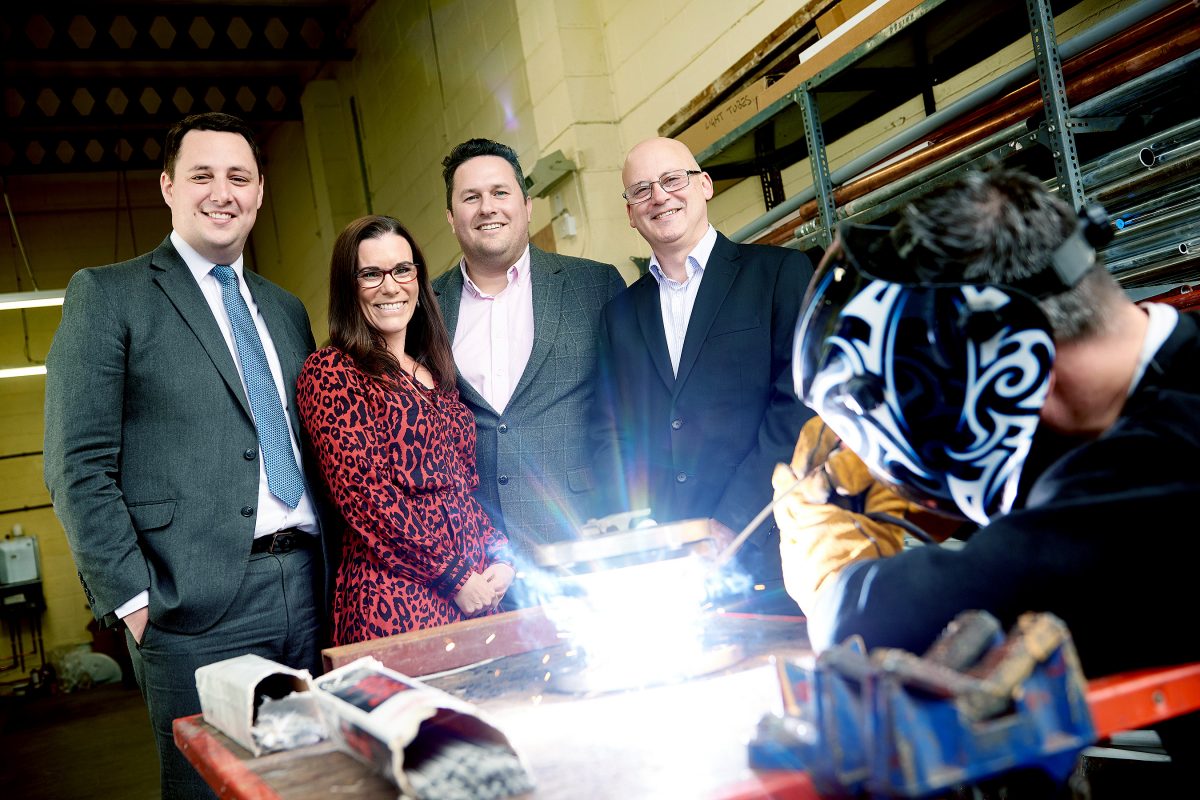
937, 388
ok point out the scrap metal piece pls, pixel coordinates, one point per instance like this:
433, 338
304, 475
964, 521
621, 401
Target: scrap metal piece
628, 547
965, 640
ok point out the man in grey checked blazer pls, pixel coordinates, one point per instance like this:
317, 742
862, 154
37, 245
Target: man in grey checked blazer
505, 299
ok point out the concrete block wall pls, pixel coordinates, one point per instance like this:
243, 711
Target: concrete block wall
64, 223
587, 77
426, 77
289, 245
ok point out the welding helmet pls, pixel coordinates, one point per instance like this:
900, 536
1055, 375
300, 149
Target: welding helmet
936, 387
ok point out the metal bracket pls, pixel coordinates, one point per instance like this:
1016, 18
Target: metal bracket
768, 169
1095, 124
818, 161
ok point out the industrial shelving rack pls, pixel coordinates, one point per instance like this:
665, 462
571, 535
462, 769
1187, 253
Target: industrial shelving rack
1105, 116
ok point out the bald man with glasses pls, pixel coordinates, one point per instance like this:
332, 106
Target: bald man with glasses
694, 399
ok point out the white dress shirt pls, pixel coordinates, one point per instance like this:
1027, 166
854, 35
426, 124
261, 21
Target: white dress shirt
678, 298
1163, 319
273, 514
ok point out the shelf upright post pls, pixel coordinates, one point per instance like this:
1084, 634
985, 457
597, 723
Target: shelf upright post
817, 160
1056, 128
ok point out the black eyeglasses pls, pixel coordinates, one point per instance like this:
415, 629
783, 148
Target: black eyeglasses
671, 181
404, 272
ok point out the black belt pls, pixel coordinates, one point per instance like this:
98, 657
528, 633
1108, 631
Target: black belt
282, 542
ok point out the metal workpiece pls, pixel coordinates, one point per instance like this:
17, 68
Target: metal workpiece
965, 640
623, 548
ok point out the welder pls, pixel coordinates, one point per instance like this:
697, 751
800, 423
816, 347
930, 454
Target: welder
979, 358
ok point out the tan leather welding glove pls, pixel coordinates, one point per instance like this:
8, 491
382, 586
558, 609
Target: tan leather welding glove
819, 534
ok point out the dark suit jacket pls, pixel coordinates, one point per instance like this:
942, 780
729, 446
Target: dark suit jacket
148, 432
702, 444
535, 476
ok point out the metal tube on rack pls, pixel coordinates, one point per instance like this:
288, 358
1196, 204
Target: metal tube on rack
1145, 181
1150, 157
1131, 271
1168, 141
1164, 216
1151, 273
1100, 85
1167, 235
1130, 217
920, 176
1132, 158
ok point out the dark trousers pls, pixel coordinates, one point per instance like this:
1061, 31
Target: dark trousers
273, 615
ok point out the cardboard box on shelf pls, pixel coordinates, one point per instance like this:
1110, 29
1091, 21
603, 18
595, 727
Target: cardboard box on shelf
728, 114
839, 14
826, 51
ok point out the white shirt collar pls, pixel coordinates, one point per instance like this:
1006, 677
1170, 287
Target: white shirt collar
196, 263
1163, 319
697, 259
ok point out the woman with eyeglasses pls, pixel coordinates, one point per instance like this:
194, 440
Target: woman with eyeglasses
396, 447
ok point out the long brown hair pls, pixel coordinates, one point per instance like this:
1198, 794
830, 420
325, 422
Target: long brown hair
425, 340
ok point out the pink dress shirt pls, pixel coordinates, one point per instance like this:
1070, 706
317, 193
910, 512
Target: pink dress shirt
494, 335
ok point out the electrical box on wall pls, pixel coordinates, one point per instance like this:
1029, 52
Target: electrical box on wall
18, 560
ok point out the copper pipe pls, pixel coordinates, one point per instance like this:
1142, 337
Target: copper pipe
1110, 51
1183, 298
1103, 67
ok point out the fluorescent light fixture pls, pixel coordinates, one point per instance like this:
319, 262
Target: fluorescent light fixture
21, 372
14, 300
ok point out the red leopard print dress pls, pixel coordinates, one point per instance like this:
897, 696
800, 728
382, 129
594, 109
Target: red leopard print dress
399, 463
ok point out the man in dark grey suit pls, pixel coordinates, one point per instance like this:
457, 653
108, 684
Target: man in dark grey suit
171, 450
694, 391
523, 323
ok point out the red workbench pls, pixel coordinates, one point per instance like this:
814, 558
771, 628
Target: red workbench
686, 739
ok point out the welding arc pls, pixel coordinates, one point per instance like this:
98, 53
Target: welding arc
739, 540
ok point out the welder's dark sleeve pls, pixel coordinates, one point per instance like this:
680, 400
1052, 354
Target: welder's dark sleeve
1107, 542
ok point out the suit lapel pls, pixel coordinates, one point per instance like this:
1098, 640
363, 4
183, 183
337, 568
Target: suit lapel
451, 295
546, 277
450, 299
719, 273
648, 308
176, 281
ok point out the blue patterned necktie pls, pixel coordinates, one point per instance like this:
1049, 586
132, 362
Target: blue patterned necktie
283, 475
